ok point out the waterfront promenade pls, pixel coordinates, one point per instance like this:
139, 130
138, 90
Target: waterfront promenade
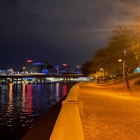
110, 112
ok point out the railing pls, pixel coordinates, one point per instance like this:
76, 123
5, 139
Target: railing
68, 124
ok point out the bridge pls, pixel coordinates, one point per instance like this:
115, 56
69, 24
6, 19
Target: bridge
41, 75
15, 78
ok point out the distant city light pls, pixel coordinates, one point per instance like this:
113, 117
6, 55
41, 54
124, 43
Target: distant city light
29, 61
64, 64
57, 66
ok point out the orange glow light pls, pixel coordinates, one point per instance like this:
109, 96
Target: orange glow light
64, 64
29, 61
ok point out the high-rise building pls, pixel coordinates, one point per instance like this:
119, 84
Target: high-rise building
61, 68
40, 66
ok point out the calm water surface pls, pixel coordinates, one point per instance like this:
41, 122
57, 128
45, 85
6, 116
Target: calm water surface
21, 105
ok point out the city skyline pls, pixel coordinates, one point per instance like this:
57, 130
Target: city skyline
36, 62
59, 32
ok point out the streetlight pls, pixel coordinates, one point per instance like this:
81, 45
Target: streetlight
103, 72
57, 70
120, 60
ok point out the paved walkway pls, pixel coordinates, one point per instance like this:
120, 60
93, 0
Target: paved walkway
109, 114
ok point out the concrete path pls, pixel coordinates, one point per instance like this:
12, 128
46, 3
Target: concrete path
109, 115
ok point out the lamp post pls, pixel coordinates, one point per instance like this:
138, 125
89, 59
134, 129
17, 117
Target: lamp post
57, 70
103, 73
123, 66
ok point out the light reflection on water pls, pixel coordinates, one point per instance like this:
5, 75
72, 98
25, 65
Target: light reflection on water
22, 105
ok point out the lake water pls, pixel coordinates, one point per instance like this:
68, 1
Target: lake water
21, 106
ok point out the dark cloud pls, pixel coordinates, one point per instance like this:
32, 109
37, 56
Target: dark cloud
9, 2
59, 31
129, 1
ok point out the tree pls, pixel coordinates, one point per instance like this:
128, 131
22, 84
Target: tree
121, 41
86, 68
119, 47
105, 58
134, 41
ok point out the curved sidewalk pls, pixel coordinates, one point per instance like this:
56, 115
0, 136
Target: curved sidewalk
109, 114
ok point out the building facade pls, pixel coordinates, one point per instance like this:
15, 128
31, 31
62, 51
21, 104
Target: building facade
40, 66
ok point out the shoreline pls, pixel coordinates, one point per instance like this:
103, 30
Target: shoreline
43, 128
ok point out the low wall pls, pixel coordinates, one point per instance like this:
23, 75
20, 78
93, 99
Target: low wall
42, 130
68, 124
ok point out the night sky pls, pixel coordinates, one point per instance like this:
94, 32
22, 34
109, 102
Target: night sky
64, 31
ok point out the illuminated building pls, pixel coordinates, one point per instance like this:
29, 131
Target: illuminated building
61, 68
34, 66
6, 72
78, 70
40, 66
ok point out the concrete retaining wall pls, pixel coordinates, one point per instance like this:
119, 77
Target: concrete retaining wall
68, 124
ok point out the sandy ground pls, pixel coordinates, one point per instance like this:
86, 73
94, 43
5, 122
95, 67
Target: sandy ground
110, 112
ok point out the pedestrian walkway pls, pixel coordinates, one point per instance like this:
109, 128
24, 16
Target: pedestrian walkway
109, 113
